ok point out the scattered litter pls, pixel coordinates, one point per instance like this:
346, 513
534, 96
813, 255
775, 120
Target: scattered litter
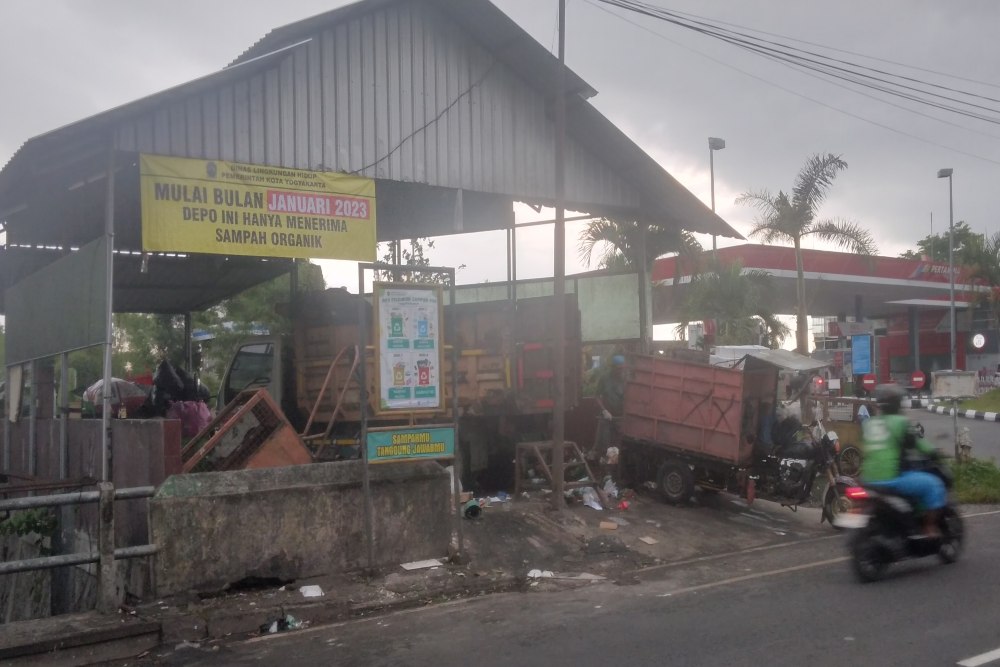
187, 644
610, 488
650, 485
580, 576
286, 622
421, 564
620, 521
612, 456
649, 540
311, 592
472, 509
609, 525
623, 505
590, 498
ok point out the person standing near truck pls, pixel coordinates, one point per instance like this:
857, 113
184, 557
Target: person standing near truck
611, 399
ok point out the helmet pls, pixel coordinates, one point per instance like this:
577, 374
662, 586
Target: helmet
889, 398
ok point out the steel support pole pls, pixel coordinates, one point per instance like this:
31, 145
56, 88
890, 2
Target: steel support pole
188, 347
457, 460
559, 365
711, 170
363, 373
33, 421
107, 461
951, 270
107, 597
64, 416
951, 312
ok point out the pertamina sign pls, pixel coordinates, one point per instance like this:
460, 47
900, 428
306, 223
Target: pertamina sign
229, 208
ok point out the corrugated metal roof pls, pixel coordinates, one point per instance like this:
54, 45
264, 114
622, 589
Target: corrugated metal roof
414, 93
486, 22
792, 361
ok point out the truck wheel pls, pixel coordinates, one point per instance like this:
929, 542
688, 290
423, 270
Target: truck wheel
675, 482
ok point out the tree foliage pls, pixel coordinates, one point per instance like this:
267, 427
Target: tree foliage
142, 340
981, 258
791, 217
740, 301
618, 243
934, 247
413, 254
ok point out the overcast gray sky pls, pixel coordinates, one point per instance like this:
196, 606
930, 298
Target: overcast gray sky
667, 88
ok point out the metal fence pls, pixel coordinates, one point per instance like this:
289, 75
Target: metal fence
106, 554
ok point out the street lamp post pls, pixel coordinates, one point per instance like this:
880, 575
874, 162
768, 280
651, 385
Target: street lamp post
714, 144
946, 173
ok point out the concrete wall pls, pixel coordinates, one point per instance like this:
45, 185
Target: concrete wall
299, 521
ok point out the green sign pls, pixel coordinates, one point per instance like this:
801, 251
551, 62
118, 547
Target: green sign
437, 442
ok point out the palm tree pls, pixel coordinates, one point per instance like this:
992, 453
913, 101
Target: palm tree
790, 218
739, 301
981, 257
620, 243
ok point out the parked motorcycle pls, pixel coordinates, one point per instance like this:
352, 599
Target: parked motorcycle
886, 528
788, 472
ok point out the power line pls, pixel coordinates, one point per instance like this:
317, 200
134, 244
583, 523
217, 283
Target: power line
850, 53
816, 61
597, 5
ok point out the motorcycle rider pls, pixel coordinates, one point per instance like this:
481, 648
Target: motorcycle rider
890, 444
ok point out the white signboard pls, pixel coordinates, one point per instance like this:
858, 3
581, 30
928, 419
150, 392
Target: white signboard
409, 359
953, 384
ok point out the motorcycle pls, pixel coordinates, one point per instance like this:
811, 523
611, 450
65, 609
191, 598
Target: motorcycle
886, 528
788, 472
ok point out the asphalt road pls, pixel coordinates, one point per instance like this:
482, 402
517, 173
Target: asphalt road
939, 430
789, 604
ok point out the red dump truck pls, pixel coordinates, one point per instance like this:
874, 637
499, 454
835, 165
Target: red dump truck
690, 424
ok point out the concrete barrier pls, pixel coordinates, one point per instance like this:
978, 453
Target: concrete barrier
219, 528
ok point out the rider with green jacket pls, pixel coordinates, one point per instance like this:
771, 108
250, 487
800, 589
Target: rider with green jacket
891, 446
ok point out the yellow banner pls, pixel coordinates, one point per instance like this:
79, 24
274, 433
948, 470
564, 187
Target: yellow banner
228, 208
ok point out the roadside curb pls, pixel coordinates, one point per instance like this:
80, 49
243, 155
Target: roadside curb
968, 414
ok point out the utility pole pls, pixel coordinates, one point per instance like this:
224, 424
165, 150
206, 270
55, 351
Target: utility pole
559, 287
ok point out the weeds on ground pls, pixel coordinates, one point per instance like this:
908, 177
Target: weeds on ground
988, 402
977, 481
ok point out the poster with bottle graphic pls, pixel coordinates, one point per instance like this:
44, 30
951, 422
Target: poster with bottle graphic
409, 354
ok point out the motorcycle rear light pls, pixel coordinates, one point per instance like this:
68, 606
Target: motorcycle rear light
856, 493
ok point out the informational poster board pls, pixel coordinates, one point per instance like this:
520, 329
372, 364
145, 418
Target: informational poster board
409, 359
861, 354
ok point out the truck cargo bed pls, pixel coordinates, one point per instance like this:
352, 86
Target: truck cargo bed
691, 408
